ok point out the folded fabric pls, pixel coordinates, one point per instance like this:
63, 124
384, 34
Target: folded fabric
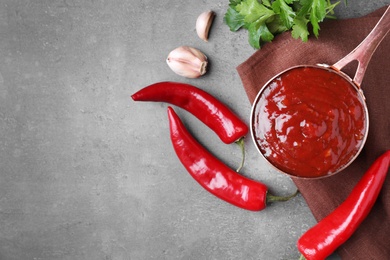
337, 38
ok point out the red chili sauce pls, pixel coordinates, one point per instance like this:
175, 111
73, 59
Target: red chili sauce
309, 122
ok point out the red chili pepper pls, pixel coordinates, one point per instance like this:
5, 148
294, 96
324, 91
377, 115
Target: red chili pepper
201, 104
215, 176
327, 235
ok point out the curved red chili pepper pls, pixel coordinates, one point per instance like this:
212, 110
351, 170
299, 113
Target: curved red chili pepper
327, 235
215, 176
201, 104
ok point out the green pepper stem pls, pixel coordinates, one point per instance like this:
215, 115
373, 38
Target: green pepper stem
272, 198
241, 144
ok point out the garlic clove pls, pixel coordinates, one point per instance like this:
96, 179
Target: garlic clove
187, 62
203, 24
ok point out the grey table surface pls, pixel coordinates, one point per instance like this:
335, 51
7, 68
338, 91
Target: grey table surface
86, 173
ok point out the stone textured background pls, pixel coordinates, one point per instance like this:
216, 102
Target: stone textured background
86, 173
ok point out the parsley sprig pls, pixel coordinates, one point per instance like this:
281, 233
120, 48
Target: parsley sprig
264, 19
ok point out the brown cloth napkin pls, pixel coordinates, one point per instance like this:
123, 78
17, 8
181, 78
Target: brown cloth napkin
337, 38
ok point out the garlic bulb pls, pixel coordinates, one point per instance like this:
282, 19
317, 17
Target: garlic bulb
187, 62
203, 24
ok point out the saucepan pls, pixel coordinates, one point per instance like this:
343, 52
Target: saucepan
312, 121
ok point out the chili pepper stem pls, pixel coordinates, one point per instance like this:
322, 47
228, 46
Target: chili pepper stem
302, 257
273, 198
241, 144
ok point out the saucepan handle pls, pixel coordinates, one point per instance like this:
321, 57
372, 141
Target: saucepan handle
363, 52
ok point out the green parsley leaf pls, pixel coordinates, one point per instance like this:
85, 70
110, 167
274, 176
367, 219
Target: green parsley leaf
266, 3
233, 19
317, 14
264, 19
253, 11
285, 12
299, 29
259, 32
276, 26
